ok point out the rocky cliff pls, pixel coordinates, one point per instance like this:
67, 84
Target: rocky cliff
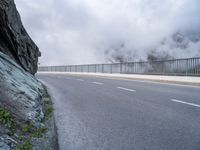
14, 40
25, 107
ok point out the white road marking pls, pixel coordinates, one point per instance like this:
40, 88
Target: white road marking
80, 80
186, 103
98, 83
122, 88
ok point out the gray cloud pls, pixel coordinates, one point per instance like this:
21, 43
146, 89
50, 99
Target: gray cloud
94, 31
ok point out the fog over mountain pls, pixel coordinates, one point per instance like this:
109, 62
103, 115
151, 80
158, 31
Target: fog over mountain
96, 31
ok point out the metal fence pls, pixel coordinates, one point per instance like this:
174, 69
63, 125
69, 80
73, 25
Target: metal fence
182, 67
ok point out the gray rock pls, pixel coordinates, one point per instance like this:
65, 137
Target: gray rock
20, 92
49, 140
14, 40
6, 142
4, 146
3, 130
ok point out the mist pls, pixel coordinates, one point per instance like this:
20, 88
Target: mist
102, 31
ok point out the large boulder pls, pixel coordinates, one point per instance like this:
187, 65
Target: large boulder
14, 40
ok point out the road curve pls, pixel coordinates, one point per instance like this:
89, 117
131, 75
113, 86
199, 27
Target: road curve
94, 113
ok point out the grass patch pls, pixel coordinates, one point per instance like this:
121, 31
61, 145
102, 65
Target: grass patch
25, 146
46, 94
48, 104
25, 132
7, 120
49, 111
26, 140
39, 132
28, 128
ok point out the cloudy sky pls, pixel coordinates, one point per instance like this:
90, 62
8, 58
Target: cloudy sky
95, 31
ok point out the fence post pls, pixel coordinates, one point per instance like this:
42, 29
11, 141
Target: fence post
121, 68
187, 67
125, 71
163, 68
198, 67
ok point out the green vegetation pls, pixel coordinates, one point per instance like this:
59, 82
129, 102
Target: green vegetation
7, 120
25, 146
49, 111
39, 132
46, 94
26, 143
26, 131
48, 104
28, 128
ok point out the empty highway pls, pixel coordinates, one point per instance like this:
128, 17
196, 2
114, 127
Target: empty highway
96, 113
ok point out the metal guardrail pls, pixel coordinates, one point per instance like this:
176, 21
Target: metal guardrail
182, 67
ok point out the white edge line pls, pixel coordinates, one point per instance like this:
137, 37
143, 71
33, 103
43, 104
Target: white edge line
80, 80
126, 89
191, 104
98, 83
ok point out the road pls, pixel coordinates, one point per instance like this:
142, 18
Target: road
94, 113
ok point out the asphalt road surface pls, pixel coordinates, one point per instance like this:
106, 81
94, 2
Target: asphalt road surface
95, 113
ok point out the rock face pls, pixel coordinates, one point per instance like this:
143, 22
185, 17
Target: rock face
20, 92
14, 40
